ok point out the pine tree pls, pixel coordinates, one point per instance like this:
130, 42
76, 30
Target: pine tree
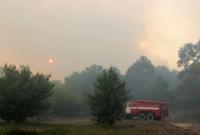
109, 97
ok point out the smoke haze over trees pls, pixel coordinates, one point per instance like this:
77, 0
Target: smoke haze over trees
143, 79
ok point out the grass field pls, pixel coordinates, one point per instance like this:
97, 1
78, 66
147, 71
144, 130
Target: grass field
124, 128
74, 130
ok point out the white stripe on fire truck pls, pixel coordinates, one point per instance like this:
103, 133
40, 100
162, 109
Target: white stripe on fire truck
146, 108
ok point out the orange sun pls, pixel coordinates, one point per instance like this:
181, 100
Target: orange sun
50, 61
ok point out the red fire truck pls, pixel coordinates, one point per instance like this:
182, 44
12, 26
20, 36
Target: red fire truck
146, 110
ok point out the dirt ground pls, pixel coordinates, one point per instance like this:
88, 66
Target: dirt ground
154, 127
189, 127
167, 128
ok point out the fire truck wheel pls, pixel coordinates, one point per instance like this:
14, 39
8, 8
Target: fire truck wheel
150, 116
142, 116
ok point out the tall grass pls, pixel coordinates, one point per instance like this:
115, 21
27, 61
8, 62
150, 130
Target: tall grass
74, 130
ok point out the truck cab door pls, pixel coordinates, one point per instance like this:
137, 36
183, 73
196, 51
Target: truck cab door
128, 108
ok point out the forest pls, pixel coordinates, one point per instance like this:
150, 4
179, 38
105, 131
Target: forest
37, 95
29, 101
144, 80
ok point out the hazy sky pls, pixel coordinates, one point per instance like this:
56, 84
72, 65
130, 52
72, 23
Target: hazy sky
78, 33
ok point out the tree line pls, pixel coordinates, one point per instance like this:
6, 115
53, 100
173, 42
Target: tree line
180, 88
143, 81
24, 94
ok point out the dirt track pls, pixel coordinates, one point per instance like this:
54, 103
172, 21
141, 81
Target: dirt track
189, 127
165, 128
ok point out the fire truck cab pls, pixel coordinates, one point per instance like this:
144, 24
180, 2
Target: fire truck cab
146, 110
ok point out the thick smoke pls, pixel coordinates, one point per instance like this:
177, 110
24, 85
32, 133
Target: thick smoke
79, 33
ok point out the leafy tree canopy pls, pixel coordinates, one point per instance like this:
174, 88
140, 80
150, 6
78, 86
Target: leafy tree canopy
82, 83
22, 93
144, 83
189, 89
189, 54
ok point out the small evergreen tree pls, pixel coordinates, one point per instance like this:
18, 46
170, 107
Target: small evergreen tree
109, 97
22, 94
